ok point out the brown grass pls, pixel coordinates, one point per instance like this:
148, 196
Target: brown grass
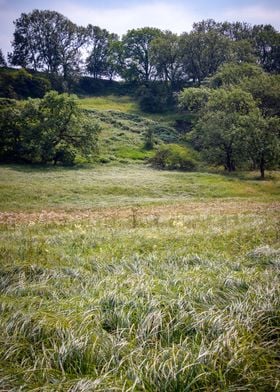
220, 207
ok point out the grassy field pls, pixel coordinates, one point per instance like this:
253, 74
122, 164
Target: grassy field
123, 278
112, 102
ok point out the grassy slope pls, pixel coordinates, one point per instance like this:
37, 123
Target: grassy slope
123, 278
123, 127
111, 102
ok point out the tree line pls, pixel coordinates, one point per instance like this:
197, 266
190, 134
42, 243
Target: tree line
49, 42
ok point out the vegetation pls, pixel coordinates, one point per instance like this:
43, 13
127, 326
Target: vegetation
144, 54
117, 276
20, 84
175, 293
48, 130
173, 156
236, 122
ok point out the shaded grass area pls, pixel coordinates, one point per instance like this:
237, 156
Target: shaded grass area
129, 105
36, 188
161, 299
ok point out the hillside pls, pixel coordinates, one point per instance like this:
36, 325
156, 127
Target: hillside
124, 126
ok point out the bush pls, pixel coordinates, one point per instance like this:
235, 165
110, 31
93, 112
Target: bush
51, 129
165, 133
173, 156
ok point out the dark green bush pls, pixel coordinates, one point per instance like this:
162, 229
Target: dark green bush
155, 97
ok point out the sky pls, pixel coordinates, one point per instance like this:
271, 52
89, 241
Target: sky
118, 16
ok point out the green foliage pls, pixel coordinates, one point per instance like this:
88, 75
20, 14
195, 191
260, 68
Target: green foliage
231, 74
193, 99
48, 130
166, 56
265, 89
155, 97
266, 42
263, 143
19, 84
203, 53
223, 126
149, 138
100, 61
46, 40
137, 51
174, 156
233, 123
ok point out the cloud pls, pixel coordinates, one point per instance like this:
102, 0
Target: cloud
256, 14
166, 15
120, 19
117, 19
6, 30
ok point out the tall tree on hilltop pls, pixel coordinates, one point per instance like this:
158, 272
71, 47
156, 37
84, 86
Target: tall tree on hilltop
101, 51
166, 57
48, 41
203, 53
138, 56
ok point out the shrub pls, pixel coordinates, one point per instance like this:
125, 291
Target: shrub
173, 156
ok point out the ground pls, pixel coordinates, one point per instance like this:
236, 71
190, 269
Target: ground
125, 278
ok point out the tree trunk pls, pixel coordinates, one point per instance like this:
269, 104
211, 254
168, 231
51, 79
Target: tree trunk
229, 164
262, 167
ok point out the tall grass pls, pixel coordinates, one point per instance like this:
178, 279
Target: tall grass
166, 298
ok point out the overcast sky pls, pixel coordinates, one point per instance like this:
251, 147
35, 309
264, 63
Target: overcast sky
118, 16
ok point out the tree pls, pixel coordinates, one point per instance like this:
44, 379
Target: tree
174, 156
138, 56
232, 74
243, 52
155, 97
2, 59
263, 143
47, 41
10, 131
203, 53
220, 130
101, 58
265, 89
194, 99
266, 41
51, 129
166, 57
21, 84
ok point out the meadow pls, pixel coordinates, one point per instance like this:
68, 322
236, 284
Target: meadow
125, 278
